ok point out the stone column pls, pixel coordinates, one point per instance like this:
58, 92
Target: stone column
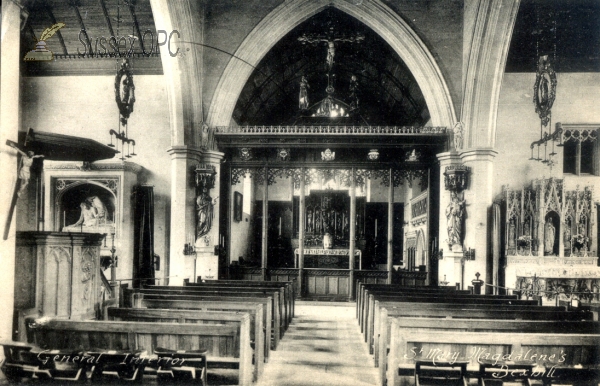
478, 197
183, 212
352, 246
390, 226
449, 267
9, 113
207, 246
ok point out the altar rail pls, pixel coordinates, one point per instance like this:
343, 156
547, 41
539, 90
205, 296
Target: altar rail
327, 284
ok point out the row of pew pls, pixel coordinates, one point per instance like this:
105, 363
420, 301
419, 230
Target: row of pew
164, 332
440, 335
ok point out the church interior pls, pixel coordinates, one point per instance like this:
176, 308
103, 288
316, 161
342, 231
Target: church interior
374, 192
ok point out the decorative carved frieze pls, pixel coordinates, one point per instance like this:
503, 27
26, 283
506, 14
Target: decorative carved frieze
334, 130
455, 177
111, 184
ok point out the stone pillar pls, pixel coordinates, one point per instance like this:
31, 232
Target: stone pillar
207, 246
390, 226
449, 268
265, 227
479, 199
9, 126
302, 212
352, 246
183, 213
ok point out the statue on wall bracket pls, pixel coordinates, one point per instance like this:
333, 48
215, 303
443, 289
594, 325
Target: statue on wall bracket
205, 181
455, 180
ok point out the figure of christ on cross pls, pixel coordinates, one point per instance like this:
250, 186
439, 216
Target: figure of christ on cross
330, 39
24, 176
24, 167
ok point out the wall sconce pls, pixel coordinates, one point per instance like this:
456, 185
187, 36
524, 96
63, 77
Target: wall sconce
469, 254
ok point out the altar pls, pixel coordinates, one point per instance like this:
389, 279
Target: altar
550, 244
327, 258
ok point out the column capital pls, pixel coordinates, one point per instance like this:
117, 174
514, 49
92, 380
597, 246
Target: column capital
212, 156
479, 154
448, 158
195, 153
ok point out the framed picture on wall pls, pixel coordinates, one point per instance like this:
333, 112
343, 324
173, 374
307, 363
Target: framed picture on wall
238, 200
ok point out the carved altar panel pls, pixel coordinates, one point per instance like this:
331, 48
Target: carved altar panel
549, 240
547, 220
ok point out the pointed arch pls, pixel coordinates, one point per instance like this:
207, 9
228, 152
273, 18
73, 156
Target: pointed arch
374, 14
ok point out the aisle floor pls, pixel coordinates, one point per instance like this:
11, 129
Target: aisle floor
322, 346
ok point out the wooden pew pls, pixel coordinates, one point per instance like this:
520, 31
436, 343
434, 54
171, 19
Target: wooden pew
272, 302
462, 299
472, 320
258, 311
195, 316
451, 310
574, 351
433, 294
278, 294
362, 289
218, 339
288, 286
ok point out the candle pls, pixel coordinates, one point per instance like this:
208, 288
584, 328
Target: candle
375, 227
279, 226
65, 218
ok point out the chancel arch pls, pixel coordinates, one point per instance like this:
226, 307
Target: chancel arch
376, 15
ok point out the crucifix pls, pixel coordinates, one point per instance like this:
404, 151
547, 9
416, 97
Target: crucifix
330, 39
21, 184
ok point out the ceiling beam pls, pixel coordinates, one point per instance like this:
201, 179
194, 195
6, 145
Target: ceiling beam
136, 24
106, 17
53, 20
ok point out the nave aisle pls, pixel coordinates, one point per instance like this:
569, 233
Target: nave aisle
322, 346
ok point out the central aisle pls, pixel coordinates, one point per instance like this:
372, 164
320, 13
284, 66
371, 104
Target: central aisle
322, 346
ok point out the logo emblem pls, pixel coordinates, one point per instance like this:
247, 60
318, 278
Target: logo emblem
41, 53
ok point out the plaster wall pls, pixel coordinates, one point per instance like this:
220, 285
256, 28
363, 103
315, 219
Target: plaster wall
85, 106
577, 98
439, 23
227, 23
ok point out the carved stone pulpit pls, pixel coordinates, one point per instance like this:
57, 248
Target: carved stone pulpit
58, 274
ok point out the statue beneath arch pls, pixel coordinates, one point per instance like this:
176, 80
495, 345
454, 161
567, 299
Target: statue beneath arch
94, 217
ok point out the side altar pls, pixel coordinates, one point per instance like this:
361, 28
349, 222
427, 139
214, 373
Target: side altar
550, 248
